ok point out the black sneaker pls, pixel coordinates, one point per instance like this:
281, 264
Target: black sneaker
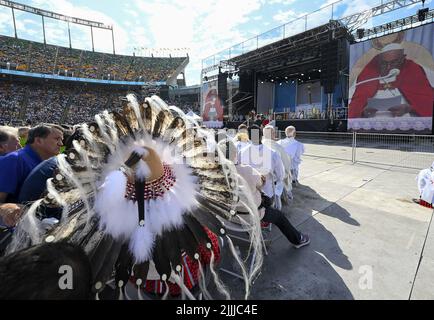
304, 241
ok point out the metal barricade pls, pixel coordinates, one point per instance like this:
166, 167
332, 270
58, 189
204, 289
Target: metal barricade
396, 150
409, 151
334, 145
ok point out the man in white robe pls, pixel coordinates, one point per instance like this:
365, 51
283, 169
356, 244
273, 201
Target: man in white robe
425, 183
294, 149
241, 139
269, 141
267, 162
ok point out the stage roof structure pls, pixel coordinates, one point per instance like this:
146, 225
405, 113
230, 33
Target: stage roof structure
248, 53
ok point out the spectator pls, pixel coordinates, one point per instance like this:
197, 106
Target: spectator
269, 141
44, 142
258, 120
266, 161
255, 181
241, 139
9, 141
294, 149
35, 186
23, 133
265, 121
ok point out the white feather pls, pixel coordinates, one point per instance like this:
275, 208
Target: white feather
142, 170
118, 216
141, 244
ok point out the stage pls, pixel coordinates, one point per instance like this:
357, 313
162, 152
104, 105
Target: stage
301, 125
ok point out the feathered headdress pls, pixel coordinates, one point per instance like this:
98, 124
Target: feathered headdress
142, 192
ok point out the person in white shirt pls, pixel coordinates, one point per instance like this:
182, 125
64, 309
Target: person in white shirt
294, 149
266, 161
255, 182
425, 184
241, 139
269, 141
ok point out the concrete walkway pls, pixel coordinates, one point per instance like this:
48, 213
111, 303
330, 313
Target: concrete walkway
369, 240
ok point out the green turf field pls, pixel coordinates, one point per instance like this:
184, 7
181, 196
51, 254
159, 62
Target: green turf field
23, 143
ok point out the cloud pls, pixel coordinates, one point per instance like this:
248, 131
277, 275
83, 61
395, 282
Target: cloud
285, 16
281, 2
206, 27
6, 24
329, 2
102, 39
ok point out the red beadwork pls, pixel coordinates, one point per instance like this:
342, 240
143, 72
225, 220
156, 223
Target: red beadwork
156, 188
159, 287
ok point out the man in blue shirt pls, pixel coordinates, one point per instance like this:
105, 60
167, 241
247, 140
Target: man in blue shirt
35, 186
43, 143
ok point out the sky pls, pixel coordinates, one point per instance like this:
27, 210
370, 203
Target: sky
200, 27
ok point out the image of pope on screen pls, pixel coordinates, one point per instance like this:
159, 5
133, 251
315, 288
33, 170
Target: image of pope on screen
392, 81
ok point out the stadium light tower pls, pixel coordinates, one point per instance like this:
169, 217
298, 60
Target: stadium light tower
49, 14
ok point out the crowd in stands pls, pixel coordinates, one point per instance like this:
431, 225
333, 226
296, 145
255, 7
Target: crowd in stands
23, 55
11, 98
22, 103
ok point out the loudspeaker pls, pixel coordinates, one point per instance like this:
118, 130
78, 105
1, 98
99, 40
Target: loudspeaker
223, 87
247, 83
421, 14
329, 65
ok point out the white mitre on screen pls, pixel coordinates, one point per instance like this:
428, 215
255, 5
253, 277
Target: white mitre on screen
391, 47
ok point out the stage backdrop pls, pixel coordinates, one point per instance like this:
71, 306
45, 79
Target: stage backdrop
265, 97
212, 110
392, 82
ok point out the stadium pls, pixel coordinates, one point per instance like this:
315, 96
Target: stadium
111, 165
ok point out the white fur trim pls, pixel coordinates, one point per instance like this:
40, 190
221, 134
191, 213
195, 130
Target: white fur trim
141, 244
142, 170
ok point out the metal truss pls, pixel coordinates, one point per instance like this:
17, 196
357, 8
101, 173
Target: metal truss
396, 25
312, 37
354, 21
293, 50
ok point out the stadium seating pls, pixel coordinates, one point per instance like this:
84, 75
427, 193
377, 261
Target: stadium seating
23, 55
55, 102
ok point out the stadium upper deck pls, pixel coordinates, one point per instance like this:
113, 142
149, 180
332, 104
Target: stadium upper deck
35, 57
